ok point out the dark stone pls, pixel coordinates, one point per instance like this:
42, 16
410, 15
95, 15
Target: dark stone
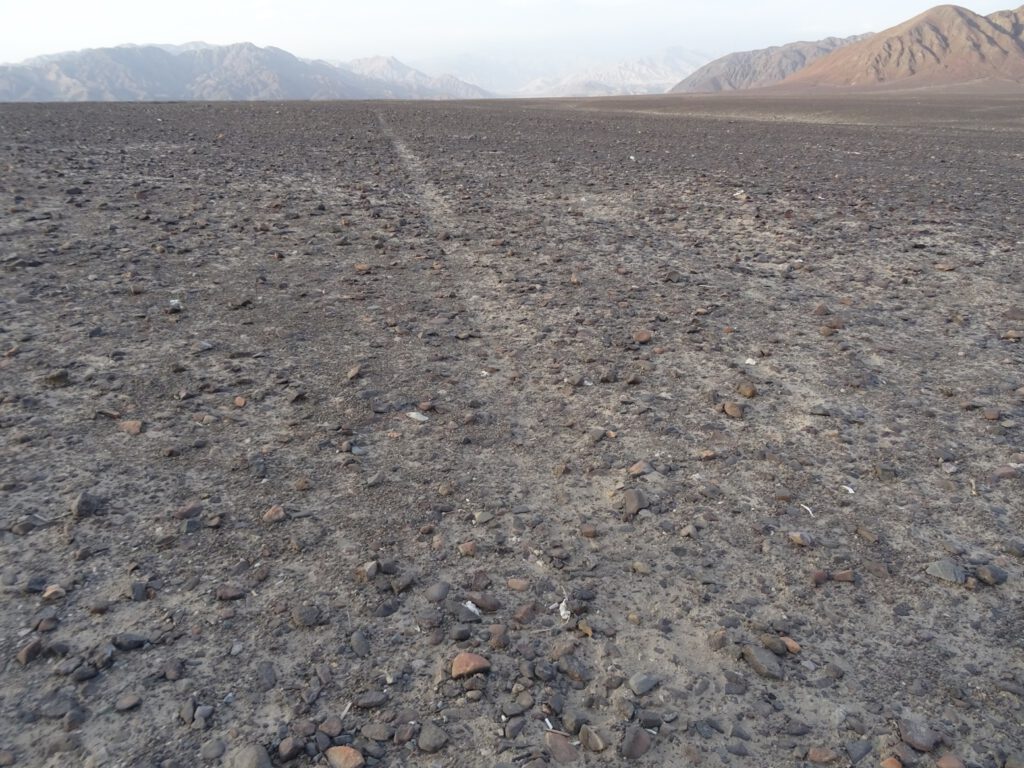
636, 743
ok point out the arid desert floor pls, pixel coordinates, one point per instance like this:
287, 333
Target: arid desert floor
659, 431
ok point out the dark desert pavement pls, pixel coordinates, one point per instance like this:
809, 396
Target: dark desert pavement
683, 431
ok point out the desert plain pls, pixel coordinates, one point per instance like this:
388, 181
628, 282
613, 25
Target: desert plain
657, 431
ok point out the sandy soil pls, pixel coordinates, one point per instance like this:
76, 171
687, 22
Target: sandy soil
697, 420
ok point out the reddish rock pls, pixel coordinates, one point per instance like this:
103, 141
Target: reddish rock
733, 410
345, 757
130, 426
468, 664
822, 755
275, 514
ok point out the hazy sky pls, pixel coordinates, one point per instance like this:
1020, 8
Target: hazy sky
422, 30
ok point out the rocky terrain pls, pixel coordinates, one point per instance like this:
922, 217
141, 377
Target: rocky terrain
947, 44
677, 431
756, 69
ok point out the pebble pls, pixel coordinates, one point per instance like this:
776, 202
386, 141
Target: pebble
305, 615
128, 641
801, 538
130, 426
733, 409
636, 743
332, 726
947, 570
640, 468
249, 756
561, 749
822, 755
371, 700
230, 592
212, 749
642, 336
431, 739
917, 734
85, 504
275, 514
54, 592
377, 732
992, 575
289, 748
858, 750
949, 760
763, 662
266, 677
360, 645
7, 758
30, 651
633, 501
592, 739
344, 757
642, 683
467, 664
436, 593
127, 701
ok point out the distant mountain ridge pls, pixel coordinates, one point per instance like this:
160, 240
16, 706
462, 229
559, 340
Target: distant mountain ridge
945, 45
759, 68
647, 75
411, 82
197, 71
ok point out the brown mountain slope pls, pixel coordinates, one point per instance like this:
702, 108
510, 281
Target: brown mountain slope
755, 69
1011, 21
947, 44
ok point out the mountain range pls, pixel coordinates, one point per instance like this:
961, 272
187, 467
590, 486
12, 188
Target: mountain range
197, 71
756, 69
945, 45
646, 75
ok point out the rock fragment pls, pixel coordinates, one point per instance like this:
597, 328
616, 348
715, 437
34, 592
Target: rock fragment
917, 734
561, 749
763, 662
248, 756
592, 740
633, 501
432, 738
345, 757
642, 683
947, 570
992, 575
636, 743
467, 664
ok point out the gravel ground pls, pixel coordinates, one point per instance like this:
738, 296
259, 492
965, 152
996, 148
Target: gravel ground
683, 431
